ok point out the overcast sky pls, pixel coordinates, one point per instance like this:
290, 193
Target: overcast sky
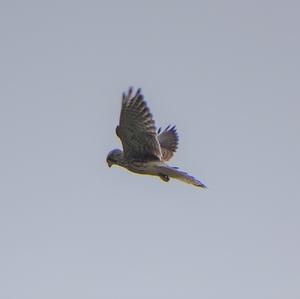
226, 73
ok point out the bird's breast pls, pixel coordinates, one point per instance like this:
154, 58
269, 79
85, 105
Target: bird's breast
149, 167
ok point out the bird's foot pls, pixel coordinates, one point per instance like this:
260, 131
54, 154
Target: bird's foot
165, 178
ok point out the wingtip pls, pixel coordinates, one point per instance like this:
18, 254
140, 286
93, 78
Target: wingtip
140, 97
138, 92
201, 185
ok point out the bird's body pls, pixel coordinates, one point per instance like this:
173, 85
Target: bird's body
145, 149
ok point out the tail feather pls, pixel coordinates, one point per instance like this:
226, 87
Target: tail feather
175, 173
168, 140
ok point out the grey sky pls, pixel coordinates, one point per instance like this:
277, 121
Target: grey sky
226, 73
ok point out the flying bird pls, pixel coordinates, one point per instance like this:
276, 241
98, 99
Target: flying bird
146, 150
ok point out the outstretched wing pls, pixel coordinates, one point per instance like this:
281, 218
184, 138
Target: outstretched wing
137, 129
173, 172
168, 140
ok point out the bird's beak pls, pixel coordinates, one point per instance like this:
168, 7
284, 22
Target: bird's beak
109, 164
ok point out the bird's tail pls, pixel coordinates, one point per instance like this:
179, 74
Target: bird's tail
175, 173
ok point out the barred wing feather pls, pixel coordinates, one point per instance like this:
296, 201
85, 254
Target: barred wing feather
137, 129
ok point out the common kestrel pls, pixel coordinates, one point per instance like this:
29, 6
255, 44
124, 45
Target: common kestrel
146, 150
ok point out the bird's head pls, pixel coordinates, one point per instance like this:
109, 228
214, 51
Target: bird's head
114, 157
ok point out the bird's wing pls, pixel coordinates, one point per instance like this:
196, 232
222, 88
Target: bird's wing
168, 139
175, 173
137, 129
